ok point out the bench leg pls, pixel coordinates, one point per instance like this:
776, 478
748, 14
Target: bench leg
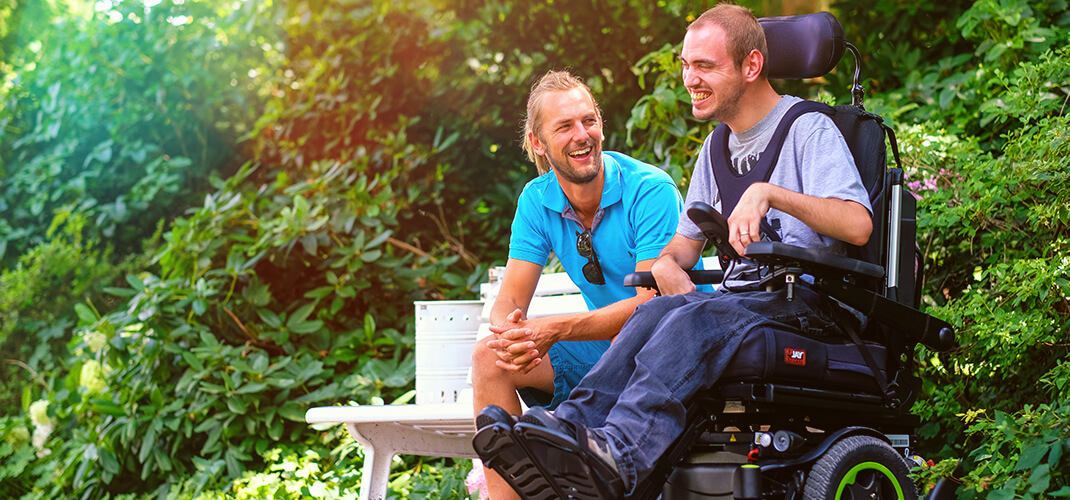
375, 476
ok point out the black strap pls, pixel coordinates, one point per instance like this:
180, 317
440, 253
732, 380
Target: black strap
882, 379
732, 186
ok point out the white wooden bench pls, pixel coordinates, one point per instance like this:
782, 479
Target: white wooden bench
439, 429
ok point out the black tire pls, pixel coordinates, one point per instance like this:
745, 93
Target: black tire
859, 467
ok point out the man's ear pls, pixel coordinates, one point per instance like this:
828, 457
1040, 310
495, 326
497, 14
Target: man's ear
536, 145
752, 65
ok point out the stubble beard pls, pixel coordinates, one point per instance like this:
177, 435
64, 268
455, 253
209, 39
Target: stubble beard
563, 169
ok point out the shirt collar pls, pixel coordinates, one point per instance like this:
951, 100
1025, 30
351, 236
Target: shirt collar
553, 197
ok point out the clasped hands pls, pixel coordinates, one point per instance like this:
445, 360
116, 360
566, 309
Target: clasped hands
519, 343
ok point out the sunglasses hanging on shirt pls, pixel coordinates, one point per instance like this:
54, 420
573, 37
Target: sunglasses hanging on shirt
592, 271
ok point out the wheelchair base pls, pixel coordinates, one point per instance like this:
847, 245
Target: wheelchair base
856, 462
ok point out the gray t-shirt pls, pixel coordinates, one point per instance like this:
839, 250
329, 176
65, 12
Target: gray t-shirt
814, 161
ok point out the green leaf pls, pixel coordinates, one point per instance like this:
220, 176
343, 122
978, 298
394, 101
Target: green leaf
106, 407
378, 240
1040, 479
269, 318
148, 442
371, 255
237, 405
192, 360
307, 326
162, 459
309, 243
1030, 457
85, 315
292, 411
108, 460
251, 388
300, 315
319, 293
369, 327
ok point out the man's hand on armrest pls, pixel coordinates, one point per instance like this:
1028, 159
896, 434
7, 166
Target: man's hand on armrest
669, 269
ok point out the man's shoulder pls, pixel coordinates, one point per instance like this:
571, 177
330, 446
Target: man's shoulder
631, 168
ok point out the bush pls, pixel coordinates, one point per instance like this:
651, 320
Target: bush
995, 226
121, 116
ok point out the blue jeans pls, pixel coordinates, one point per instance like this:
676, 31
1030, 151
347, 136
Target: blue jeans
670, 349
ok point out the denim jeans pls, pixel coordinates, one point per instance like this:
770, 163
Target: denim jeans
670, 349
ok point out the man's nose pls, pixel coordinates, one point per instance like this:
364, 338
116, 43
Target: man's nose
580, 133
687, 75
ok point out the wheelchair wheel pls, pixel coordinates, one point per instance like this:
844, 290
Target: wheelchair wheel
860, 467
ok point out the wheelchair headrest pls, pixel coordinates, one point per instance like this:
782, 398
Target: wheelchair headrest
806, 46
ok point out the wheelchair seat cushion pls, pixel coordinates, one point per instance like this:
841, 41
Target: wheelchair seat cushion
772, 355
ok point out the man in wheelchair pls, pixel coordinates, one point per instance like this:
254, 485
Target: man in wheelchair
784, 175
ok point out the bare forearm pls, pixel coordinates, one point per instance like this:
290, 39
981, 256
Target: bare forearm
844, 220
501, 309
601, 324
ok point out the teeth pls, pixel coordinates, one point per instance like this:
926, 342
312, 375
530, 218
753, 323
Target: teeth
698, 95
580, 152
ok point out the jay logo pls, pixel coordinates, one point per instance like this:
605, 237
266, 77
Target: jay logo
795, 357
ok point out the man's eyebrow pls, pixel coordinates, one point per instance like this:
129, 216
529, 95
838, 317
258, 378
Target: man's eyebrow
710, 62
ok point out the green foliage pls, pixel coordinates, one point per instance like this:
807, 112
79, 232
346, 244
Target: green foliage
948, 63
1023, 455
994, 228
250, 324
385, 171
121, 115
328, 468
37, 300
16, 455
661, 129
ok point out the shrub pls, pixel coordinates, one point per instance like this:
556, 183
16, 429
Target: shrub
995, 226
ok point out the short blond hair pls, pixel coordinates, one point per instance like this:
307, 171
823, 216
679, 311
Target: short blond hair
553, 81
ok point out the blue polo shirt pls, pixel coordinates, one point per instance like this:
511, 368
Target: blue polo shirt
640, 210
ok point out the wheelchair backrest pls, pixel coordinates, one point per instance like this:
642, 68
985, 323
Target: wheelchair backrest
810, 46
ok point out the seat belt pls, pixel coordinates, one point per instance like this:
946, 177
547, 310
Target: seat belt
732, 186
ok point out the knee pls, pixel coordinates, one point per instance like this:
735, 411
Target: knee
660, 305
483, 359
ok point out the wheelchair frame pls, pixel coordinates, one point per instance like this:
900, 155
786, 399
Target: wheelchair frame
750, 439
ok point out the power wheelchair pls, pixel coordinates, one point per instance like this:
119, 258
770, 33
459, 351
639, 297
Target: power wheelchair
816, 418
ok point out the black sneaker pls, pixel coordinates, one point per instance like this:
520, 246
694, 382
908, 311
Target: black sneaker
581, 463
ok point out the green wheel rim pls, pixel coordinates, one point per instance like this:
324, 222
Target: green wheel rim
852, 475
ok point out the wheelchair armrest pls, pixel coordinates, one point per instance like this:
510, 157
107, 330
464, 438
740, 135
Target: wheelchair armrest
814, 262
826, 268
698, 277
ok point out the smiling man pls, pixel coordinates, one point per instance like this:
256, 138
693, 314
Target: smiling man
604, 215
607, 437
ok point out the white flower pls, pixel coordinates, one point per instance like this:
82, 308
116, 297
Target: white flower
95, 340
92, 377
42, 426
39, 413
40, 437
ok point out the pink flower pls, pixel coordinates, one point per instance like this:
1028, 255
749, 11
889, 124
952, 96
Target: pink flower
476, 481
